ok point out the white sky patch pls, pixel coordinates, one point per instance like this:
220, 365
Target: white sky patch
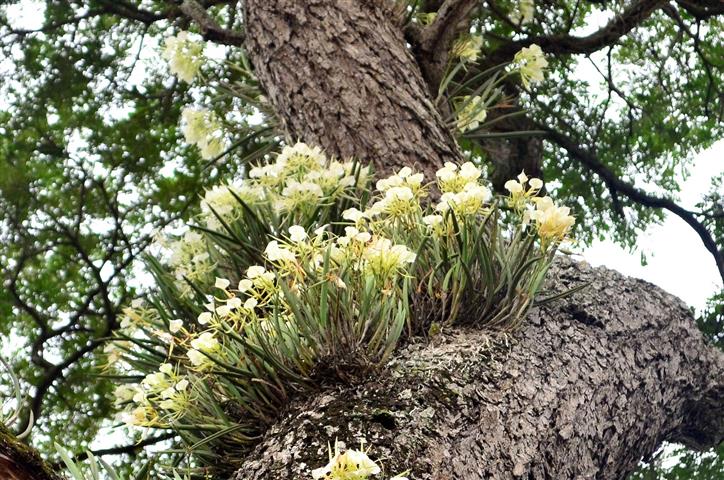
678, 262
27, 14
594, 21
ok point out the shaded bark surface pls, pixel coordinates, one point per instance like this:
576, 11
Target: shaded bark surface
19, 461
591, 384
339, 75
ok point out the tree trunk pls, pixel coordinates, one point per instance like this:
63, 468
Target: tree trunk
339, 75
588, 387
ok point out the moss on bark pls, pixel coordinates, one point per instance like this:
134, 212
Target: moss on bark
19, 461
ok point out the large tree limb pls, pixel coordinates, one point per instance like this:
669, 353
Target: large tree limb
20, 462
588, 387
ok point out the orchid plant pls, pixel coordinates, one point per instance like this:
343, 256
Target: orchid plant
304, 273
308, 271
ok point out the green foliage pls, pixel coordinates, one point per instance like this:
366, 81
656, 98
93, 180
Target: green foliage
712, 208
683, 464
711, 320
91, 168
94, 468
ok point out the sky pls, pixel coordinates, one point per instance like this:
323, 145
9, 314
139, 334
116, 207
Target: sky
677, 259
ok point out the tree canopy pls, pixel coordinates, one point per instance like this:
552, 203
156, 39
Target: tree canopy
93, 166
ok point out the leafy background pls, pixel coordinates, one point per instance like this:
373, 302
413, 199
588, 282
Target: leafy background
93, 166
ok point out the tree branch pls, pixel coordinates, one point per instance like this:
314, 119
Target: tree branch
619, 26
433, 43
210, 29
591, 162
55, 25
708, 65
127, 10
131, 449
450, 19
702, 9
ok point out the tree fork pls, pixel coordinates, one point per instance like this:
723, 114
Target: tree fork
589, 386
339, 75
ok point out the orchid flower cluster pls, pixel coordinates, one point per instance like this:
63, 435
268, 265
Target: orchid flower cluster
530, 63
294, 185
401, 205
287, 191
190, 258
460, 241
203, 129
301, 273
470, 99
350, 465
185, 56
467, 48
553, 222
472, 113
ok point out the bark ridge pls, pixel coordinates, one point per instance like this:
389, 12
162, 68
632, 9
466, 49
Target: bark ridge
339, 75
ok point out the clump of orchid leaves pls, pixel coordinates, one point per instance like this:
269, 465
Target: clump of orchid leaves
304, 274
310, 272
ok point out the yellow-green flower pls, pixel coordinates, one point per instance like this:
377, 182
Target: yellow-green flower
530, 63
384, 259
523, 13
184, 56
472, 113
553, 222
203, 129
522, 190
451, 178
350, 465
467, 48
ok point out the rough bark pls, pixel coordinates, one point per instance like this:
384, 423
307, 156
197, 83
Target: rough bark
432, 44
20, 462
589, 386
339, 75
